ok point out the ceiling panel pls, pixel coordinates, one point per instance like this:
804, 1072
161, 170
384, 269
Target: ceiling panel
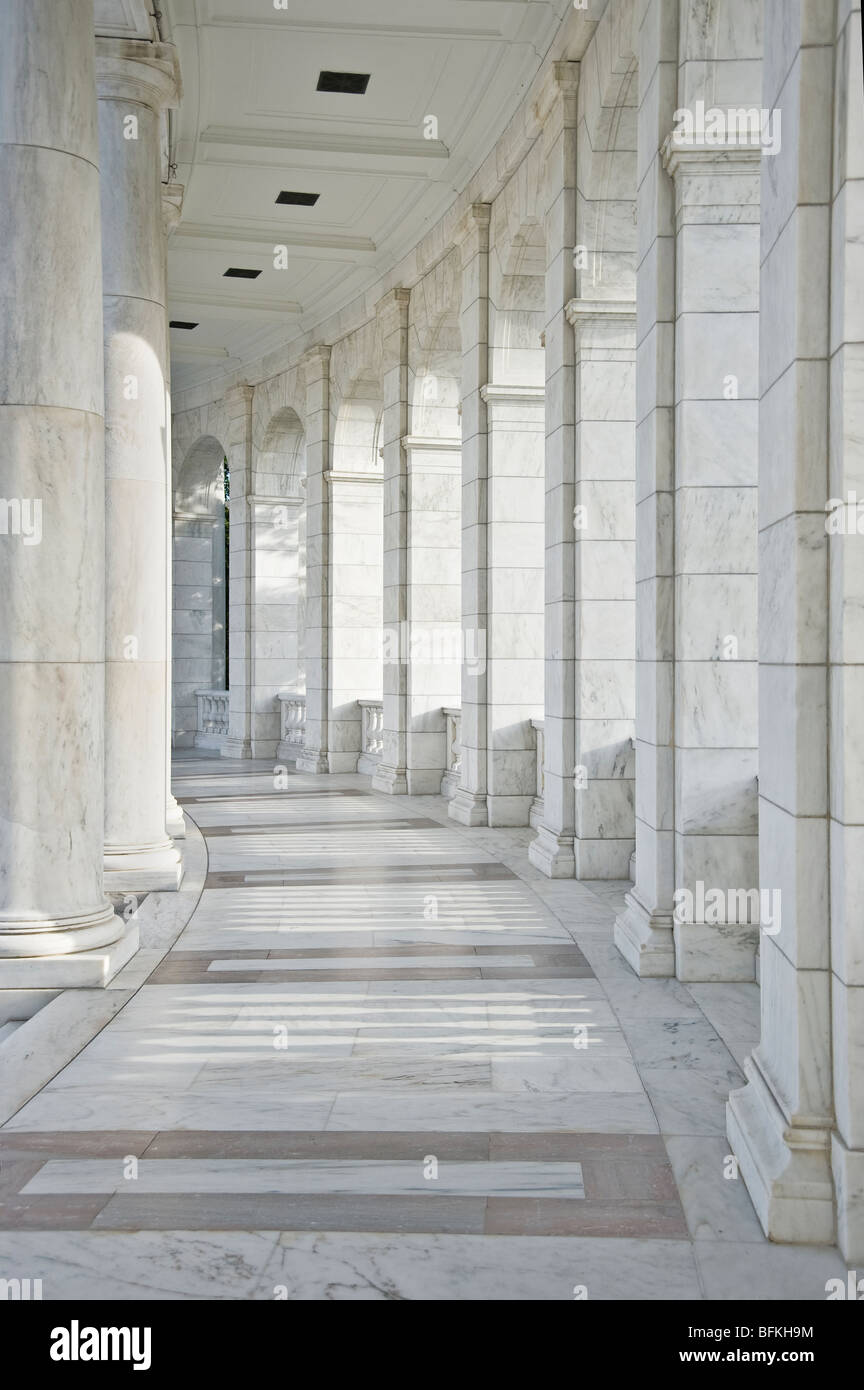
252, 123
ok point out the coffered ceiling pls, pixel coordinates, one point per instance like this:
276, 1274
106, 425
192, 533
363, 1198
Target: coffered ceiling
254, 124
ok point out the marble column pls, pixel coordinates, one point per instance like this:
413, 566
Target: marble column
135, 82
715, 505
804, 1077
315, 752
846, 642
52, 557
643, 932
354, 609
391, 775
239, 602
514, 595
274, 564
175, 825
604, 558
468, 805
432, 639
552, 850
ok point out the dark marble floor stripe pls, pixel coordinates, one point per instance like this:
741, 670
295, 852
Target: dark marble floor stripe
561, 1216
529, 1146
559, 954
275, 1212
283, 828
357, 874
218, 797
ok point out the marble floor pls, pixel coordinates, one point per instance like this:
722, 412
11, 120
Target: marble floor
387, 1059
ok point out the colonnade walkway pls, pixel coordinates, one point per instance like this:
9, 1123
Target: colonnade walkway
386, 1058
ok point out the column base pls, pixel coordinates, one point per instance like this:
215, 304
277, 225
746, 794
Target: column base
786, 1166
368, 764
310, 761
645, 940
468, 808
721, 953
175, 825
392, 781
449, 785
143, 869
552, 854
92, 969
847, 1165
60, 936
604, 859
287, 752
235, 747
508, 810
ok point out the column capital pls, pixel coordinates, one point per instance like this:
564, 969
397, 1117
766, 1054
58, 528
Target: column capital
349, 476
241, 392
729, 158
172, 206
561, 85
471, 234
135, 70
394, 302
315, 362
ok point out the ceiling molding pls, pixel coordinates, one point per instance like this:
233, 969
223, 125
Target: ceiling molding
247, 236
228, 306
381, 146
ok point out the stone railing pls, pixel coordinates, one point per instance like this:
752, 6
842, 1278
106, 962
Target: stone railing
292, 726
452, 752
372, 736
535, 815
213, 709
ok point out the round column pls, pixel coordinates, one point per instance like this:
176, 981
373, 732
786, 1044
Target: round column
52, 518
135, 81
172, 206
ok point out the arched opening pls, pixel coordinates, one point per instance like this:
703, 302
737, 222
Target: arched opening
356, 569
278, 581
200, 592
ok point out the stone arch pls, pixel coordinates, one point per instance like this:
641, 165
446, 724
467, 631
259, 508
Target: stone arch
435, 352
356, 437
277, 564
606, 240
200, 583
517, 294
356, 560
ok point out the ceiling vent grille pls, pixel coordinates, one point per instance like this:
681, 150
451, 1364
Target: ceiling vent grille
354, 83
301, 200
